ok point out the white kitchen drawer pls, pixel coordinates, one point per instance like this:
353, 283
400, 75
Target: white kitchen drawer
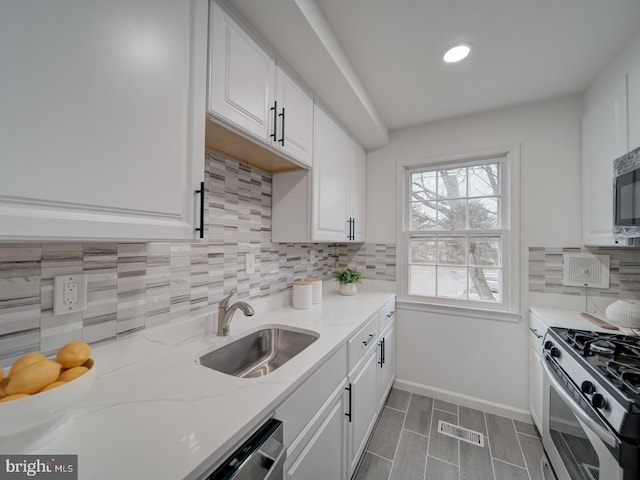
363, 341
387, 314
298, 410
537, 328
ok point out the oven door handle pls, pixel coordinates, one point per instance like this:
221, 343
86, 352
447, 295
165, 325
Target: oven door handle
604, 435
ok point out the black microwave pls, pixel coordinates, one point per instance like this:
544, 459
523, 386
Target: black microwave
626, 197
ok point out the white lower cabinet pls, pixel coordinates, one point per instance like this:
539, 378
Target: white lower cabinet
329, 418
364, 407
537, 329
324, 455
386, 363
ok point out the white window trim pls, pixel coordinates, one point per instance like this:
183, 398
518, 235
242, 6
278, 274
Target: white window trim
509, 309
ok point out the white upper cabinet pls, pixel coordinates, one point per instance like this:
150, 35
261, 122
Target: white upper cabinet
248, 91
294, 119
332, 151
357, 190
326, 204
339, 183
634, 108
241, 76
604, 138
103, 108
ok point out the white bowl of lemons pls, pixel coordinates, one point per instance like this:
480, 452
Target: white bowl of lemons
38, 390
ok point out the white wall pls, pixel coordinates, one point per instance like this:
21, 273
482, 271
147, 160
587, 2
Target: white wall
628, 57
472, 357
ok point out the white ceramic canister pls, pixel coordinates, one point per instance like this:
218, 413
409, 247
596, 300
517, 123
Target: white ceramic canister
302, 294
624, 313
316, 290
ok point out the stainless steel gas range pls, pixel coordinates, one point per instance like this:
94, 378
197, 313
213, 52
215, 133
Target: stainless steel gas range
591, 405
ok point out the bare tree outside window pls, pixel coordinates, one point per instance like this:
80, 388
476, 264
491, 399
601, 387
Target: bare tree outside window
455, 233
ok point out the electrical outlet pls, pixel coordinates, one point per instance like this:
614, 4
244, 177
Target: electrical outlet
312, 257
250, 263
69, 294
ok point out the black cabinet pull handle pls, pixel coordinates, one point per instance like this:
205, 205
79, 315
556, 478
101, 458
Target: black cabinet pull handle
274, 109
348, 389
381, 345
351, 234
535, 332
366, 342
201, 227
384, 351
282, 128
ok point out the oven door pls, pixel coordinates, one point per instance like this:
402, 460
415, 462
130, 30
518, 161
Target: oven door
579, 444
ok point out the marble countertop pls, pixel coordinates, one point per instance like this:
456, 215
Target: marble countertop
154, 413
556, 317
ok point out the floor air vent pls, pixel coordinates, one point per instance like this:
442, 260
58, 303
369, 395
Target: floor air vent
593, 473
464, 434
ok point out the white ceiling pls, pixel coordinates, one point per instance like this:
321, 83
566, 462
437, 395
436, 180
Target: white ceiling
377, 63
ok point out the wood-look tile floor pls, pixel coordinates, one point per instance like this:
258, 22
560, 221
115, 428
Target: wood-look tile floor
406, 445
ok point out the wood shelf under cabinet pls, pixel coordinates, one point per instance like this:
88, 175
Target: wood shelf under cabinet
226, 142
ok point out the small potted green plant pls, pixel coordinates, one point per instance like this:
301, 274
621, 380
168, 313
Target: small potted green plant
347, 280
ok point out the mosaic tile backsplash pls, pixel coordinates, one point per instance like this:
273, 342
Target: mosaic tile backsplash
545, 272
132, 286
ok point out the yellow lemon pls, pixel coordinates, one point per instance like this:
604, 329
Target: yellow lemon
72, 373
33, 377
16, 396
25, 360
73, 354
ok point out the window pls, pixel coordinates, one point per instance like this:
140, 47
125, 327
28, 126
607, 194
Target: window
456, 232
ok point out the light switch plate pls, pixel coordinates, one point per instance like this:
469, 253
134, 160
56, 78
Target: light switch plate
69, 294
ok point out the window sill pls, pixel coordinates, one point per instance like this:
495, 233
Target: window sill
477, 313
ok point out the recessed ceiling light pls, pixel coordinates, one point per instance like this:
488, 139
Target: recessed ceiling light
457, 53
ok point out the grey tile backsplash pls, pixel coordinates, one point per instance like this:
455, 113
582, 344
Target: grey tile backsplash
132, 286
546, 264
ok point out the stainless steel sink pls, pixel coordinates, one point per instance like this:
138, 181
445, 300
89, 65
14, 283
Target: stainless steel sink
258, 353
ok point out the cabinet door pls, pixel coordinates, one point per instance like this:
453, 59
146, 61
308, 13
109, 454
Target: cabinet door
103, 109
535, 381
331, 152
604, 138
357, 189
241, 76
324, 457
634, 108
386, 364
364, 408
295, 117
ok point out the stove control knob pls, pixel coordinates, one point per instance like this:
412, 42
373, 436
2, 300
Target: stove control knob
587, 387
548, 344
554, 352
598, 401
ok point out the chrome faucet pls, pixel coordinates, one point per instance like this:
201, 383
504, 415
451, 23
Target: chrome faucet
226, 314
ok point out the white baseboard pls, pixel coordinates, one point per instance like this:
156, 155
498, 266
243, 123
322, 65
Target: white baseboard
464, 400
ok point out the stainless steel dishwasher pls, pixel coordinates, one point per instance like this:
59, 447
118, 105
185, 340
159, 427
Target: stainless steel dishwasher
260, 457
